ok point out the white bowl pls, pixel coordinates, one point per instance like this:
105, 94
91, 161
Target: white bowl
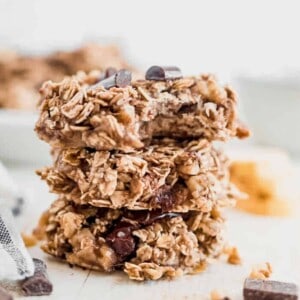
18, 141
272, 110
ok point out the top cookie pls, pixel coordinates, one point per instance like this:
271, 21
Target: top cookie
89, 110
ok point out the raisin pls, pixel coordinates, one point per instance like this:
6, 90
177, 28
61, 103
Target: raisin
169, 197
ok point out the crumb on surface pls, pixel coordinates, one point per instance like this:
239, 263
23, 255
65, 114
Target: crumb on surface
29, 240
217, 295
201, 267
40, 231
234, 257
262, 271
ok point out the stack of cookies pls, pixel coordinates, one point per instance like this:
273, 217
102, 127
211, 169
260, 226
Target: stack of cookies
140, 186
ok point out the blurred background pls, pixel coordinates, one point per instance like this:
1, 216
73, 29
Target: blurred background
253, 45
224, 37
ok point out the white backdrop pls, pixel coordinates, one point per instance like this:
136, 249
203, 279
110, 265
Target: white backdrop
216, 36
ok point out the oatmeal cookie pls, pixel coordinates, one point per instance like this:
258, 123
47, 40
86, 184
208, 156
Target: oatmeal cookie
145, 245
78, 112
168, 175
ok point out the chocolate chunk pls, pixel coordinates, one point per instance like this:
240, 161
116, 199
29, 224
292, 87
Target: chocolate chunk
121, 239
4, 295
38, 284
255, 289
188, 108
163, 73
123, 78
119, 79
110, 72
106, 74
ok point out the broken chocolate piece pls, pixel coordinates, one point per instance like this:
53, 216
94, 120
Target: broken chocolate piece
163, 73
4, 295
256, 289
38, 284
119, 79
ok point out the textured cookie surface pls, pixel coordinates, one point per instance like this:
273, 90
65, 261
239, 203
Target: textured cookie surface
168, 175
146, 245
76, 113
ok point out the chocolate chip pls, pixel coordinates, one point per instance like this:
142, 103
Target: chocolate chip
163, 73
121, 239
119, 79
123, 78
256, 289
188, 108
38, 284
90, 150
106, 73
4, 295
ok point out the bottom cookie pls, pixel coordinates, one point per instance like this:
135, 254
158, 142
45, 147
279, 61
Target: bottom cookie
144, 244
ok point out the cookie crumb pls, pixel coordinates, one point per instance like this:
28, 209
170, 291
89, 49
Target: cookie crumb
234, 257
262, 271
40, 231
29, 240
201, 267
216, 295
